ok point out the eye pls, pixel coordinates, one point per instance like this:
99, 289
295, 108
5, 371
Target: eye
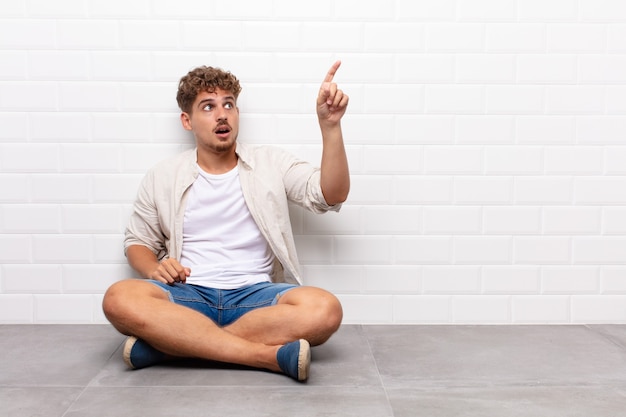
229, 106
208, 107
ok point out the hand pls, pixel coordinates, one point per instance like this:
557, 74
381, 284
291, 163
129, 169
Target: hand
170, 271
331, 102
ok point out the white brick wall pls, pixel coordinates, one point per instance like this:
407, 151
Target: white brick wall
486, 138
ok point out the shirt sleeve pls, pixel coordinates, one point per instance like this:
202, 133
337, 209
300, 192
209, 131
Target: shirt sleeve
302, 184
143, 226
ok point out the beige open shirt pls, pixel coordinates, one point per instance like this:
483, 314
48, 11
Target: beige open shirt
270, 178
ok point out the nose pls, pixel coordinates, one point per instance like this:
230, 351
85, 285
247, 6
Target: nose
221, 115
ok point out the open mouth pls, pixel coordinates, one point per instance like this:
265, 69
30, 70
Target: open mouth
222, 130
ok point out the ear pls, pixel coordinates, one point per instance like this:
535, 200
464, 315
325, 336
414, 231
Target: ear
185, 119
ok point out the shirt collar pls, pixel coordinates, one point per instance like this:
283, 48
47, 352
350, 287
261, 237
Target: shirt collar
244, 155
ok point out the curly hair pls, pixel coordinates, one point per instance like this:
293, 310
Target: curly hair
204, 79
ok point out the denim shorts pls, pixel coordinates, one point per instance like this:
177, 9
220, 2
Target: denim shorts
225, 306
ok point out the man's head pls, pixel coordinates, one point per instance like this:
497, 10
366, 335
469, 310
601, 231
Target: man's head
208, 99
204, 79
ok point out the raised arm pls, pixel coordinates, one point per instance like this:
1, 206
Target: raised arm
331, 106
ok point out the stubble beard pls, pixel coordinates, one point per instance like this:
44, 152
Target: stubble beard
221, 147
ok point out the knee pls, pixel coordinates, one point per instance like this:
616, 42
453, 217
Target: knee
334, 312
112, 303
118, 303
329, 315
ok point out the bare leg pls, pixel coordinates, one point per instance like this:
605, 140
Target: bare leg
301, 313
141, 309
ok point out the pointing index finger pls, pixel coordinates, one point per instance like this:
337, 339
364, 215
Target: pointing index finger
332, 71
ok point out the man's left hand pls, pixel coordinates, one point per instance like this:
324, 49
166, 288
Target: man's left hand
331, 101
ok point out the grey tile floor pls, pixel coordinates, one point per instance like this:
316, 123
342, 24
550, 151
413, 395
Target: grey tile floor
77, 370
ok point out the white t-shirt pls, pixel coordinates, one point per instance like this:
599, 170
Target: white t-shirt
222, 244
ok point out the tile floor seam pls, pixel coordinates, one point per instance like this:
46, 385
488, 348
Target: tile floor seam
69, 407
41, 386
481, 384
89, 383
378, 374
603, 335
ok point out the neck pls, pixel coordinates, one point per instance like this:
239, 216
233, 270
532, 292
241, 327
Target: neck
217, 163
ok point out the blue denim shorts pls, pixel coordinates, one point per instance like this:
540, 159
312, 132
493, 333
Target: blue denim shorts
225, 306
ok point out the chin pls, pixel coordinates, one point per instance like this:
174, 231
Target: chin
224, 146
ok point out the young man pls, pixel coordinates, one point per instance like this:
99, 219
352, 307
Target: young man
210, 232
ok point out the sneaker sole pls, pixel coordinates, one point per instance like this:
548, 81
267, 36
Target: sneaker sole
304, 360
128, 346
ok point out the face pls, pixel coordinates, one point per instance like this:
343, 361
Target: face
214, 121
